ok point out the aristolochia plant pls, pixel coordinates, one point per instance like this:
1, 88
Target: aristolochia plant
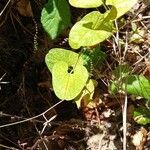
137, 85
71, 71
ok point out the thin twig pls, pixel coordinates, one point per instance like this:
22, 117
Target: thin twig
17, 117
145, 27
118, 41
142, 57
10, 148
114, 45
140, 19
124, 113
126, 46
47, 123
32, 118
5, 7
2, 82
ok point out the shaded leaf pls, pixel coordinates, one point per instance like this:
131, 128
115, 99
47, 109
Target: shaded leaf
114, 87
92, 57
55, 17
87, 94
121, 71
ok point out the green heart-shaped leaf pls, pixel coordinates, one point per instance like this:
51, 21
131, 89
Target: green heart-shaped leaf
137, 85
132, 84
86, 3
122, 6
55, 17
68, 81
91, 30
59, 54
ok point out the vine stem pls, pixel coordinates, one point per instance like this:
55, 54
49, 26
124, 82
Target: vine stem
35, 35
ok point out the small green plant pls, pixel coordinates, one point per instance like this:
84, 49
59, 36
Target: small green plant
137, 85
132, 84
71, 71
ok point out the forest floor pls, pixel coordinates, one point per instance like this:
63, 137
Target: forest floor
32, 117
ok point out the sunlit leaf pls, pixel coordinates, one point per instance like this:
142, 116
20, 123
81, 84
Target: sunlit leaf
87, 94
68, 81
86, 3
137, 85
122, 6
91, 30
142, 115
132, 84
59, 54
55, 17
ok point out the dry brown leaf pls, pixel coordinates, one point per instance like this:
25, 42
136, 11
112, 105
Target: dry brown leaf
24, 8
139, 138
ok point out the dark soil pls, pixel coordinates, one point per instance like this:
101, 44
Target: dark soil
27, 91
